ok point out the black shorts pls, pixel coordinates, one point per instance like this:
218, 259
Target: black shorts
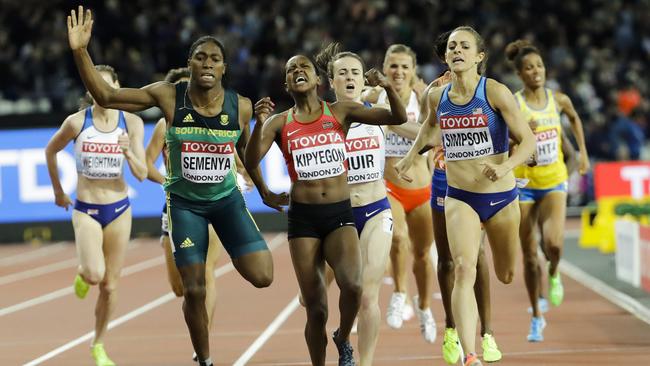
318, 220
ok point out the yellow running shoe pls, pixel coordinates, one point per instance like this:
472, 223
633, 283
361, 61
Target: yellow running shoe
555, 289
100, 356
80, 287
491, 351
451, 346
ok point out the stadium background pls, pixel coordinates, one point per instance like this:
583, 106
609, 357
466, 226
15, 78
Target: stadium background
598, 52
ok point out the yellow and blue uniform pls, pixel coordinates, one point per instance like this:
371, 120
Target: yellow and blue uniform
550, 173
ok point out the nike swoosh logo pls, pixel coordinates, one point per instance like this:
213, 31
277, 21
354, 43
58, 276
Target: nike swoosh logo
120, 208
368, 214
91, 137
443, 113
292, 132
495, 203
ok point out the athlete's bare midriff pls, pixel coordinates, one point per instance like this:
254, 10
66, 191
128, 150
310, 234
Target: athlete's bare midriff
468, 175
366, 193
319, 191
100, 191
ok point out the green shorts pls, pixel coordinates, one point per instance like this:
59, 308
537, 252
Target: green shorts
188, 227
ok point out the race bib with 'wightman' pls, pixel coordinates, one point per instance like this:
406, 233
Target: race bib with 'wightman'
101, 160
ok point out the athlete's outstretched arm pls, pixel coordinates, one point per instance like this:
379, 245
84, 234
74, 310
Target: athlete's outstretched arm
502, 99
245, 113
79, 31
154, 148
428, 131
132, 147
61, 138
265, 132
566, 106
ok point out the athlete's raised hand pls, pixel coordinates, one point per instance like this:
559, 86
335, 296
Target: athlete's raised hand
444, 79
124, 142
62, 200
403, 166
79, 28
375, 78
263, 108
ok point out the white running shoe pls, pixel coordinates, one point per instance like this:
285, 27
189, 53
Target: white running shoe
408, 312
427, 323
394, 314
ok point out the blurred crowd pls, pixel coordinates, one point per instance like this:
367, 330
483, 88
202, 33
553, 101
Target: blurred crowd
597, 51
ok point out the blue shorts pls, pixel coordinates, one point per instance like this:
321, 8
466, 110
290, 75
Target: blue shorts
438, 190
534, 195
103, 214
485, 205
364, 213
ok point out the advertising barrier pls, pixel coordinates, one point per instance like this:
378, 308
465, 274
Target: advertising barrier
26, 193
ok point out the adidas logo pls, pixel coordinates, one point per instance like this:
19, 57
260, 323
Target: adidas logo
188, 118
187, 243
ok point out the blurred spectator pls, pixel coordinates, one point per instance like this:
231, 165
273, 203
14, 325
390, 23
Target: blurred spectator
594, 48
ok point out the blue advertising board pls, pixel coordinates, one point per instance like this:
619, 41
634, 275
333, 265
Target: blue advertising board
26, 193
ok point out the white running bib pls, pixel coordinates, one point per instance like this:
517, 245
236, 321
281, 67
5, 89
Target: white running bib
101, 160
318, 156
207, 162
547, 147
466, 137
365, 158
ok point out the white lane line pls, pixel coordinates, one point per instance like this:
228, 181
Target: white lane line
138, 267
275, 242
268, 332
48, 268
34, 254
38, 271
137, 312
406, 359
620, 299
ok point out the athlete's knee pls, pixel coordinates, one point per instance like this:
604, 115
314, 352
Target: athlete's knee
261, 279
352, 288
505, 275
177, 288
194, 291
553, 245
93, 276
465, 272
316, 310
422, 252
108, 286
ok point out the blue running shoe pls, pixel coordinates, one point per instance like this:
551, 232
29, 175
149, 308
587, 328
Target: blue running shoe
537, 325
